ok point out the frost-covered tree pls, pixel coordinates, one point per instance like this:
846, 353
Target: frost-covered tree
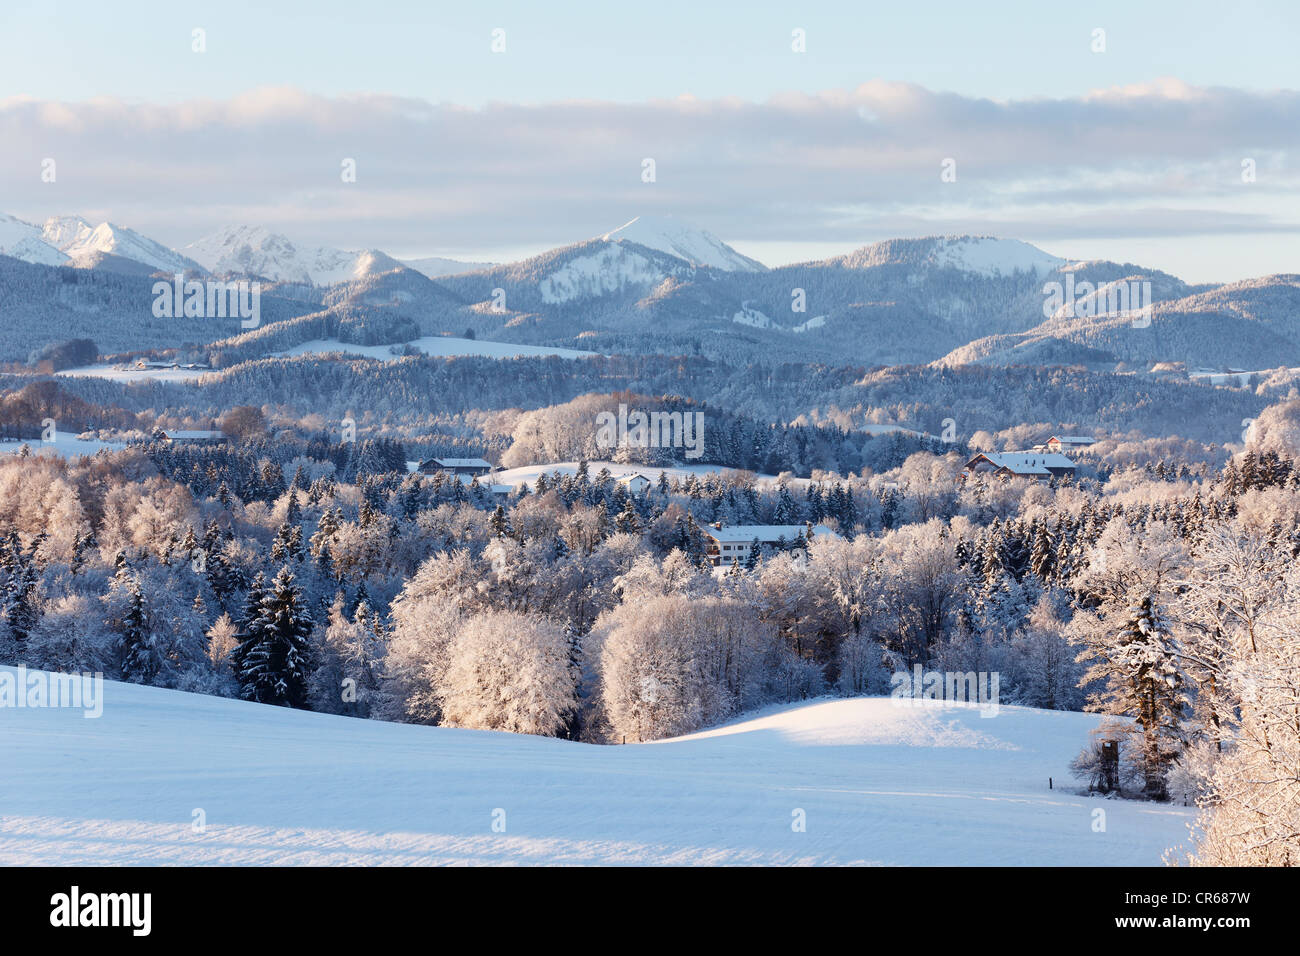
509, 671
348, 671
1252, 813
1138, 664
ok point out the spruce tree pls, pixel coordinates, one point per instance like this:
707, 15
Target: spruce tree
249, 631
139, 663
275, 663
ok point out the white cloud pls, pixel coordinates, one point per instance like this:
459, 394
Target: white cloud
843, 165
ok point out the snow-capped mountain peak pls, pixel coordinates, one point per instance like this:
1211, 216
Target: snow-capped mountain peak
63, 231
696, 246
255, 250
78, 239
22, 240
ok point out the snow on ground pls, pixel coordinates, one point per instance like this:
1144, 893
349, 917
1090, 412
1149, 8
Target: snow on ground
816, 322
130, 374
606, 270
752, 317
438, 346
529, 473
65, 445
681, 239
989, 256
1238, 379
877, 783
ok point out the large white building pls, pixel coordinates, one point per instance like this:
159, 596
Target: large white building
733, 544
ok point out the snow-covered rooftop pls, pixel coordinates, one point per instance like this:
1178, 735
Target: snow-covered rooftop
765, 533
1027, 462
461, 462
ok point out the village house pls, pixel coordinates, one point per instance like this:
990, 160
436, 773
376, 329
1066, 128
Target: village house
1039, 465
636, 484
735, 543
1061, 444
473, 467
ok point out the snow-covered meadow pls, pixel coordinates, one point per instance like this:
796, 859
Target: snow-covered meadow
128, 374
436, 346
164, 777
64, 444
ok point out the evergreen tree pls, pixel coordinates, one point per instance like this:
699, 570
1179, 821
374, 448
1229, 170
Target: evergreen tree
139, 662
1140, 667
274, 665
250, 623
499, 524
628, 521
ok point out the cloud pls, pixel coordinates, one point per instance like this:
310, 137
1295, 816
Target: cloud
839, 165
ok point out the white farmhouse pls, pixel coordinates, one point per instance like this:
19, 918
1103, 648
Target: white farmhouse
733, 544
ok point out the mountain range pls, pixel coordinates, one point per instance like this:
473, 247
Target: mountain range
659, 285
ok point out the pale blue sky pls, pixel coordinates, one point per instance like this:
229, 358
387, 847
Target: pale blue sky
1133, 154
75, 49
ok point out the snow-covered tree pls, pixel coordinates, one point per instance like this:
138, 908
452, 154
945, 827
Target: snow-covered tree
274, 663
509, 671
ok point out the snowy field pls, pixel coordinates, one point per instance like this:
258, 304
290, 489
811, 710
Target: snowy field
64, 444
116, 374
877, 783
435, 345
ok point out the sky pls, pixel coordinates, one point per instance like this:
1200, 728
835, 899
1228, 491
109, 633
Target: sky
1133, 152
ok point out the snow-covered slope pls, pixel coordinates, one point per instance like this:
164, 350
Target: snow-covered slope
697, 246
634, 260
986, 256
64, 444
989, 256
599, 270
23, 241
875, 783
60, 231
437, 345
77, 238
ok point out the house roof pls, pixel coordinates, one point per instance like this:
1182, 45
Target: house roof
1025, 462
461, 462
1073, 439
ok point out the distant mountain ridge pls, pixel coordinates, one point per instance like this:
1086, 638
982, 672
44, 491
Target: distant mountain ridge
77, 239
657, 284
